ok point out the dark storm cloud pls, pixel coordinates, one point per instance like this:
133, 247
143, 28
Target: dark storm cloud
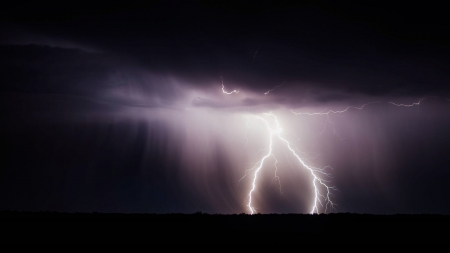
77, 80
94, 79
257, 45
44, 69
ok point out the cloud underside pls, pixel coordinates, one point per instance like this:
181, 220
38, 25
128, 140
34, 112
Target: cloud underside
106, 79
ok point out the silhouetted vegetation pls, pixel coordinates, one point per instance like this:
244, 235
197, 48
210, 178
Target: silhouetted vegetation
233, 228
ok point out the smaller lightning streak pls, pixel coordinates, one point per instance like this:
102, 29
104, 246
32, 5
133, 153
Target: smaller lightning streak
335, 112
267, 92
327, 114
276, 176
410, 105
228, 93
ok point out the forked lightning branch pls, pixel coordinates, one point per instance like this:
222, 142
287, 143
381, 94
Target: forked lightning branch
321, 188
319, 177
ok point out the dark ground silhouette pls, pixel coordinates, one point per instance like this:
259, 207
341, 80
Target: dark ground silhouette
218, 228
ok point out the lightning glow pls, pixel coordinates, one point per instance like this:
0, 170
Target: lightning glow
322, 191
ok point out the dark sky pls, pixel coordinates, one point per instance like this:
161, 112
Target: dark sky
120, 107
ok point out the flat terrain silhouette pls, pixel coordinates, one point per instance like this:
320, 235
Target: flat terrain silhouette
220, 228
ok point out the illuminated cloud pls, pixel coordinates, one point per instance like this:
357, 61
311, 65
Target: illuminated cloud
182, 112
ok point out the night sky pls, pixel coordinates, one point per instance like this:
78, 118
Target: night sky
121, 107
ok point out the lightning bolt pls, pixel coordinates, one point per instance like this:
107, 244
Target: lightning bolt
228, 93
328, 118
334, 112
276, 176
267, 92
322, 191
418, 102
329, 112
408, 105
